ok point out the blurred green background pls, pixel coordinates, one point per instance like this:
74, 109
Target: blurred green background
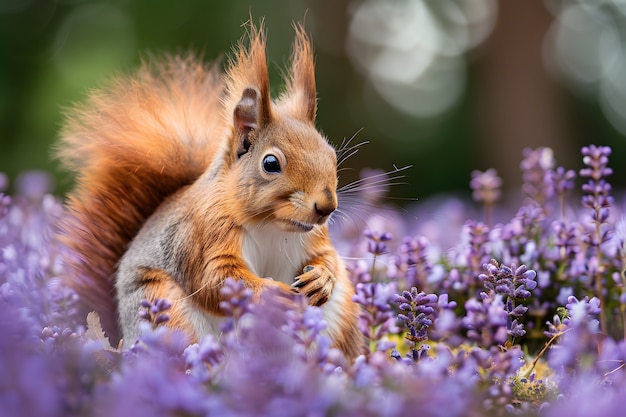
447, 86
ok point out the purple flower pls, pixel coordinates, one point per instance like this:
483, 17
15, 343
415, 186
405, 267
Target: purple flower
562, 179
466, 318
417, 314
597, 189
566, 240
4, 182
582, 311
486, 186
514, 283
306, 327
411, 265
536, 167
486, 321
596, 158
359, 271
155, 312
486, 189
5, 202
377, 318
376, 244
476, 252
34, 185
203, 359
597, 198
238, 302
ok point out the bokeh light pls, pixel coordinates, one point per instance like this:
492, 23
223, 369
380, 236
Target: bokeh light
585, 46
439, 85
413, 51
94, 38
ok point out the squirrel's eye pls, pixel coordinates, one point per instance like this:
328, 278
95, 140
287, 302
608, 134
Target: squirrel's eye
271, 164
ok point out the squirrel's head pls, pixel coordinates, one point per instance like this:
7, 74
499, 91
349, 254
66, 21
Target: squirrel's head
286, 171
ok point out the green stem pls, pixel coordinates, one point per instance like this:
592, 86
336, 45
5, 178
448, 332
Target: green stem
542, 352
488, 213
623, 310
373, 268
598, 278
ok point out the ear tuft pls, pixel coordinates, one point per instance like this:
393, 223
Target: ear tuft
246, 100
300, 97
246, 117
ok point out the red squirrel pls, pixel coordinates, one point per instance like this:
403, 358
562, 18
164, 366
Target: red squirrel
187, 176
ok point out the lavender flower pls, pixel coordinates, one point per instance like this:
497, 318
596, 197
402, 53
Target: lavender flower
516, 283
4, 182
597, 197
486, 186
417, 314
476, 254
577, 350
469, 349
237, 304
519, 236
306, 327
27, 370
204, 359
411, 265
556, 327
155, 312
377, 319
566, 241
5, 202
486, 321
359, 271
582, 311
597, 189
536, 166
562, 181
376, 244
486, 189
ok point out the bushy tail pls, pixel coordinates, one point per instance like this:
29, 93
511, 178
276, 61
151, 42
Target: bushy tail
131, 145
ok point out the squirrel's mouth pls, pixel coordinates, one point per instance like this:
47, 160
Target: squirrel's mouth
305, 227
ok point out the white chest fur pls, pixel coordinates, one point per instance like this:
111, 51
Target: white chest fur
273, 253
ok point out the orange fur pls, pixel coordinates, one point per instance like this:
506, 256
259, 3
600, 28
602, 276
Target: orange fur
174, 196
132, 145
159, 285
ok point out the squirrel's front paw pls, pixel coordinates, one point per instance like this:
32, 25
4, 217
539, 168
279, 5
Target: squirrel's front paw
316, 283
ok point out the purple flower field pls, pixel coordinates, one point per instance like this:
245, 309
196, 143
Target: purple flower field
468, 309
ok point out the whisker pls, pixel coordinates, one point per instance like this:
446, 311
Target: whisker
381, 179
345, 150
375, 187
346, 141
357, 215
347, 153
346, 169
384, 176
342, 217
374, 202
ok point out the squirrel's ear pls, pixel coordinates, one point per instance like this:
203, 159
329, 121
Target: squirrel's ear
301, 97
247, 92
248, 115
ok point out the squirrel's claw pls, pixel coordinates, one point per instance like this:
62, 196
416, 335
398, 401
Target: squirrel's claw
316, 283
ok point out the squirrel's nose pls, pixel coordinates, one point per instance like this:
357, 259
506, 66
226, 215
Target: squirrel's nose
324, 210
324, 204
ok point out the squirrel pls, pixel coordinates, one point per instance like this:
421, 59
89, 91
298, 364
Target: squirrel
187, 175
